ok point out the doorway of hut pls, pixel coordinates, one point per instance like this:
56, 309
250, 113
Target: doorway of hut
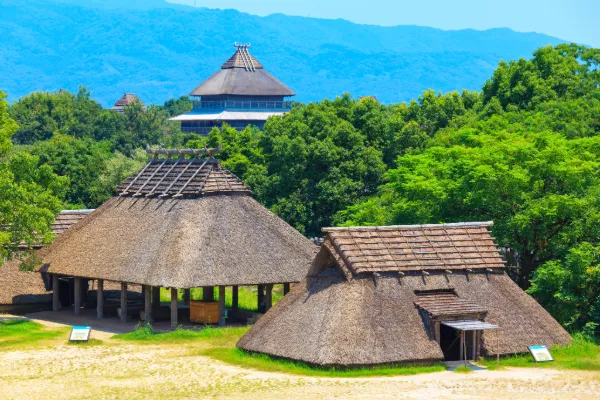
450, 342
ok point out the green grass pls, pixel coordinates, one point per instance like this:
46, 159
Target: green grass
580, 354
247, 296
266, 363
219, 343
208, 334
20, 331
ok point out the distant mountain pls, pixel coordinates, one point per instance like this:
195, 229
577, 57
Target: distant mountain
159, 50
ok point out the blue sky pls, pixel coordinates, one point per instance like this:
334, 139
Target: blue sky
575, 20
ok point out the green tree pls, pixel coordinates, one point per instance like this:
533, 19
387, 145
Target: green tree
570, 288
41, 114
82, 161
30, 195
540, 189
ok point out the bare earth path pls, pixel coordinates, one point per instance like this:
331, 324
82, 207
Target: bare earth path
133, 371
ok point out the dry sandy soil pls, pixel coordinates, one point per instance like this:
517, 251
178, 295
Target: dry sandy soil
140, 371
133, 371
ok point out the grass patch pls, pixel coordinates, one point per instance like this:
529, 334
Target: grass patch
247, 296
89, 343
20, 331
145, 333
264, 362
462, 370
580, 354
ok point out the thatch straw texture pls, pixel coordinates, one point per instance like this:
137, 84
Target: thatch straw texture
20, 287
370, 321
221, 239
338, 316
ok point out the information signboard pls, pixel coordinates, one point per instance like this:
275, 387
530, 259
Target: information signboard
80, 334
540, 353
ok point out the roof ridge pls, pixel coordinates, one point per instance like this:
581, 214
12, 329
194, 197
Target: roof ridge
396, 227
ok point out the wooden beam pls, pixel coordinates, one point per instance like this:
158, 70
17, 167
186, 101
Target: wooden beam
55, 293
269, 297
462, 345
100, 299
221, 305
187, 294
148, 304
77, 296
173, 308
436, 331
155, 298
234, 298
261, 298
286, 288
474, 350
123, 302
208, 293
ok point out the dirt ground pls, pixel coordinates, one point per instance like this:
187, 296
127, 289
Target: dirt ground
141, 371
136, 372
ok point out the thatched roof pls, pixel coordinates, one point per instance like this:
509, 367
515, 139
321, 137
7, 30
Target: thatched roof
20, 287
214, 234
127, 99
341, 316
242, 74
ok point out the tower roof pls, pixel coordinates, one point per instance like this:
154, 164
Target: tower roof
242, 74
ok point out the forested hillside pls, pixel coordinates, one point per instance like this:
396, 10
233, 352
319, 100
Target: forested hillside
160, 50
523, 152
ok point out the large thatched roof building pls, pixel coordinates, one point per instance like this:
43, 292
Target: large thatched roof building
377, 295
241, 93
21, 289
182, 223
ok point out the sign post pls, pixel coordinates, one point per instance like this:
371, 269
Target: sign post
540, 353
80, 334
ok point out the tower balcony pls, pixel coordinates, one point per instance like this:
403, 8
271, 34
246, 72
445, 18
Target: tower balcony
255, 105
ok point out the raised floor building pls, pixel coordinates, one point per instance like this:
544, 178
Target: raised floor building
241, 93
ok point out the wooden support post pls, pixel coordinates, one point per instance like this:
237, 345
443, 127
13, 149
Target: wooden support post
173, 308
187, 294
155, 298
286, 288
234, 298
208, 293
77, 296
269, 297
123, 302
148, 304
436, 331
474, 351
261, 298
462, 345
100, 299
221, 305
55, 293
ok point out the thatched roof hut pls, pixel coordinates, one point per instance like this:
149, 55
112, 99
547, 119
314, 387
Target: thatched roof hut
378, 295
182, 223
126, 100
19, 287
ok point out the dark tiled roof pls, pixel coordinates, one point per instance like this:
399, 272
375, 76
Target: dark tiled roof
67, 218
181, 178
415, 247
440, 303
